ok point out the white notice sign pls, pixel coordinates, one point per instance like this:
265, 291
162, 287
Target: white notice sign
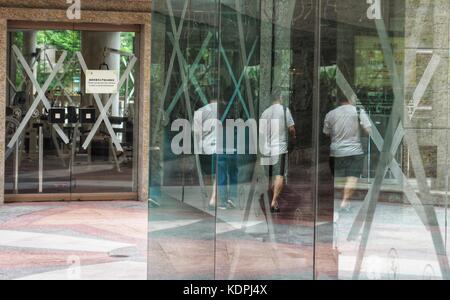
102, 81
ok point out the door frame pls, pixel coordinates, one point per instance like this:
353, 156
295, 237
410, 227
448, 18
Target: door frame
90, 20
67, 197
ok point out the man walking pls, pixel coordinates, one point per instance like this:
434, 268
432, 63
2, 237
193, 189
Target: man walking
344, 125
277, 140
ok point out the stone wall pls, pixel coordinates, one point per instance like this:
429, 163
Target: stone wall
99, 5
427, 36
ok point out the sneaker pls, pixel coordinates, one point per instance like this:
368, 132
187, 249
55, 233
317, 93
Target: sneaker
275, 210
346, 209
336, 217
223, 207
231, 204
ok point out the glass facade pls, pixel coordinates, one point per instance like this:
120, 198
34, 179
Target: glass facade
299, 139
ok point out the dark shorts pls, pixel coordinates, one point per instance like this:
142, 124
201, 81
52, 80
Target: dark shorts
279, 168
208, 164
350, 166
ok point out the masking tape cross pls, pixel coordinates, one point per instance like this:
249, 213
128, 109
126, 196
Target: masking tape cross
20, 86
235, 82
40, 98
238, 84
104, 109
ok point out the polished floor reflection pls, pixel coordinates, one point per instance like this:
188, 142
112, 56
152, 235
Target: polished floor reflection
400, 247
187, 248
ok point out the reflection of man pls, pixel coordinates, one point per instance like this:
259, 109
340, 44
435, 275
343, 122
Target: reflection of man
277, 141
205, 135
344, 125
227, 170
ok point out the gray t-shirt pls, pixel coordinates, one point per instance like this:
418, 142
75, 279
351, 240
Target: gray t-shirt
341, 124
205, 129
276, 132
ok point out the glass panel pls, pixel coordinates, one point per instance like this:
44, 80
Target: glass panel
98, 164
384, 71
35, 152
53, 144
184, 82
265, 220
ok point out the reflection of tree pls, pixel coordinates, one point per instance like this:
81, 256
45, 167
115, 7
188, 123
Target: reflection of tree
64, 40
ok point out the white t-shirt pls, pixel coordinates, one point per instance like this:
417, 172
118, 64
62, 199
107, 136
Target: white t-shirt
275, 133
341, 124
205, 128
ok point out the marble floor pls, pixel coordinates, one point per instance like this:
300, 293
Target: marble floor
241, 243
89, 240
125, 240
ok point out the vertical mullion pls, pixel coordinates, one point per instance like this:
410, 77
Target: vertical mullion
316, 125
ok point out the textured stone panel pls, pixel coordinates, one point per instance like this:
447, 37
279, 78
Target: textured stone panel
3, 43
105, 5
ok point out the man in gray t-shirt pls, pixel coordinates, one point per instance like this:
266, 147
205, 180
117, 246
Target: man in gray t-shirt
277, 127
344, 125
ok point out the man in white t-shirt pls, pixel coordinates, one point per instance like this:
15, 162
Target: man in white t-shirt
205, 130
276, 126
344, 125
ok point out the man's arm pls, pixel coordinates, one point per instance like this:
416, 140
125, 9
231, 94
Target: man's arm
326, 127
293, 132
365, 123
368, 130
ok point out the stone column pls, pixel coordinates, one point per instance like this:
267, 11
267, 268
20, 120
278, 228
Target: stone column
284, 13
11, 67
29, 44
93, 46
440, 90
28, 51
426, 34
3, 42
266, 55
158, 82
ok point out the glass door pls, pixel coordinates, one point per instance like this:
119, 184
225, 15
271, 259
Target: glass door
105, 146
65, 142
36, 162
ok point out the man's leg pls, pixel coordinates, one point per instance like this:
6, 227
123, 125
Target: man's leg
278, 186
222, 180
212, 200
278, 182
233, 173
209, 164
348, 190
354, 165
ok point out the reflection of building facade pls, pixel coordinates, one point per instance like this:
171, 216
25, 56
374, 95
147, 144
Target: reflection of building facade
385, 56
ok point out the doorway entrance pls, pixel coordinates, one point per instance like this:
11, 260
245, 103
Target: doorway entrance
72, 99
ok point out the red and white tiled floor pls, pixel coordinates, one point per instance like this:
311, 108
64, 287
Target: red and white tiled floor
115, 240
89, 240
